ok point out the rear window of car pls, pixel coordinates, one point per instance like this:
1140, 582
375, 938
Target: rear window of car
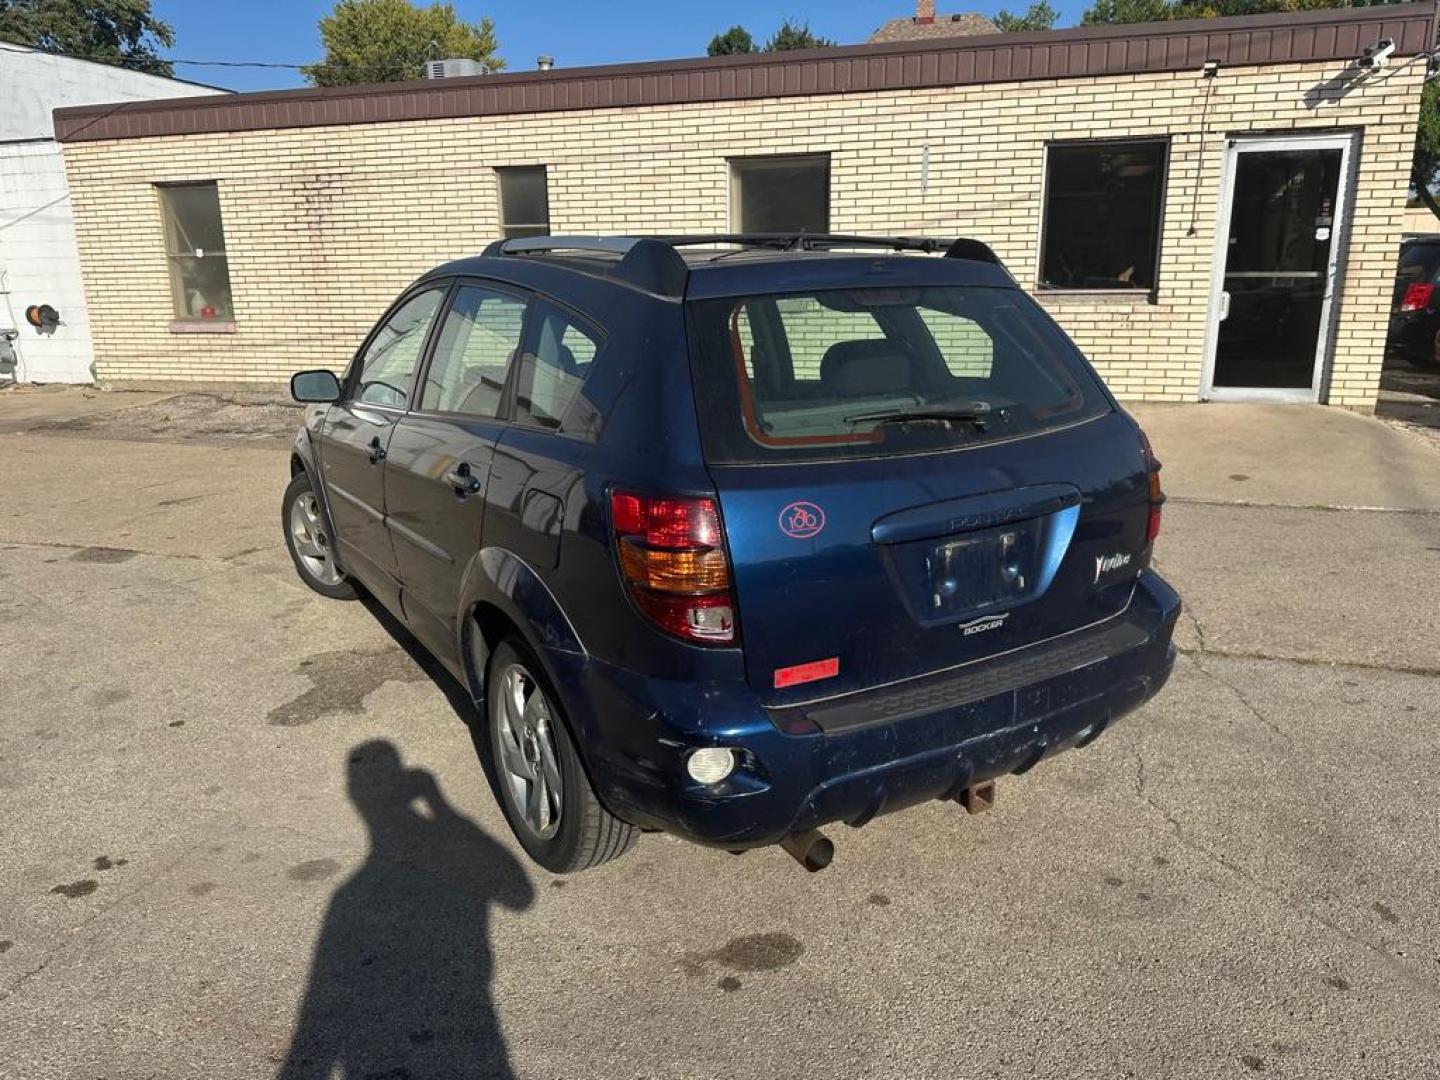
1418, 263
874, 372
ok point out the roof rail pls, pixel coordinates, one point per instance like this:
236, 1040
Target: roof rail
651, 263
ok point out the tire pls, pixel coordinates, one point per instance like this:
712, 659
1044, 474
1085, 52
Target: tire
309, 542
531, 747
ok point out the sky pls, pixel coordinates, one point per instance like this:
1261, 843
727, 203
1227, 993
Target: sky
575, 33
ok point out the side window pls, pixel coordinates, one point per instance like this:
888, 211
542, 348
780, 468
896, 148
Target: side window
551, 376
478, 339
387, 367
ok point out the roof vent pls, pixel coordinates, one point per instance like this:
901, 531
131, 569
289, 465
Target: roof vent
453, 69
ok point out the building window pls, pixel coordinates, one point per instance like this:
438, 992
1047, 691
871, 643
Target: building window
1102, 215
195, 246
524, 201
780, 194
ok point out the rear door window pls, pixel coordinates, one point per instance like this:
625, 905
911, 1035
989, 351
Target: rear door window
871, 372
552, 373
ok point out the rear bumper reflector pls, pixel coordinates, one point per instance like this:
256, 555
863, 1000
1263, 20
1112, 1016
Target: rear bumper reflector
803, 673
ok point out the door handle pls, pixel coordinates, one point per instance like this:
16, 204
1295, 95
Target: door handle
463, 480
377, 452
1224, 306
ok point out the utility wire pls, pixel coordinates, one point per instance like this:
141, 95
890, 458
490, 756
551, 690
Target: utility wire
176, 62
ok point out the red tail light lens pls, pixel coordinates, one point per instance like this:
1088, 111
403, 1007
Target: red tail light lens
673, 561
1417, 297
1157, 497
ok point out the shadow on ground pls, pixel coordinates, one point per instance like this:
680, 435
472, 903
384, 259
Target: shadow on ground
1410, 392
400, 982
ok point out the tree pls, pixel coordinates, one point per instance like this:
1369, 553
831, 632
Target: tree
119, 32
1038, 16
735, 40
1424, 166
790, 36
795, 36
368, 41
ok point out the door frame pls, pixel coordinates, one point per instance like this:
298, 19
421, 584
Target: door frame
1235, 145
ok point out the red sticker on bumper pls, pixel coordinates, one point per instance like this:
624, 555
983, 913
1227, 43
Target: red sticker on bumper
803, 673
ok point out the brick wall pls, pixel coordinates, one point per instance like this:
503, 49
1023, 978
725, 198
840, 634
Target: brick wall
324, 225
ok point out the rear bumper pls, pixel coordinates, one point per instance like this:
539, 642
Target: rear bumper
873, 753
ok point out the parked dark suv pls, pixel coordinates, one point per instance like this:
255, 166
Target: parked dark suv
735, 537
1415, 305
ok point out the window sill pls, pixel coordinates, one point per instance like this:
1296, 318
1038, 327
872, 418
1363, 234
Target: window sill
203, 326
1118, 296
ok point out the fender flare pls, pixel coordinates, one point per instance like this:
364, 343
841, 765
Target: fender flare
501, 579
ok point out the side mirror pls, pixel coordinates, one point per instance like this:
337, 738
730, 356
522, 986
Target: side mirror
317, 386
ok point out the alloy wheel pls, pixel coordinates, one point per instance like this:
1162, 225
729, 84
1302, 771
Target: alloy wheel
529, 760
312, 544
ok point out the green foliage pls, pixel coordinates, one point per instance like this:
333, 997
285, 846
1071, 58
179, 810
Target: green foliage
1038, 16
790, 36
795, 36
735, 40
371, 41
119, 32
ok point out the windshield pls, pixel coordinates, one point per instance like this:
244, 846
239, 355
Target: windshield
869, 372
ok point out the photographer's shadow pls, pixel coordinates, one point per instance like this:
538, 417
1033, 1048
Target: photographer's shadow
400, 983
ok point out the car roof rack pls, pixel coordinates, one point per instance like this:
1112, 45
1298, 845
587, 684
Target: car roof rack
652, 263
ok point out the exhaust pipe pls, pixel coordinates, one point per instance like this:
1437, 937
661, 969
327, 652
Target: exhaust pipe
812, 849
977, 798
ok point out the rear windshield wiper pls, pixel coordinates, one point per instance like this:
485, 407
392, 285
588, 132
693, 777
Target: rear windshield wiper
975, 413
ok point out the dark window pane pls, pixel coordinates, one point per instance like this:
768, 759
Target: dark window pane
1102, 215
195, 243
192, 219
477, 344
524, 201
782, 194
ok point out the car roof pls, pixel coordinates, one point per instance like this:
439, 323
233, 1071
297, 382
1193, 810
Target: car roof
673, 269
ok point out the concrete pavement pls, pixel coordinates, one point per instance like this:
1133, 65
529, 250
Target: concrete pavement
245, 833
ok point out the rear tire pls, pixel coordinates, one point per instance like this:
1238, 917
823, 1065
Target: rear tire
307, 536
543, 790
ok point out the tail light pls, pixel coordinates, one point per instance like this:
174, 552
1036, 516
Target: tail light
672, 557
1157, 497
1416, 298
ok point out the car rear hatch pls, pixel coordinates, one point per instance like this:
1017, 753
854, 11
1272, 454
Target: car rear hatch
868, 547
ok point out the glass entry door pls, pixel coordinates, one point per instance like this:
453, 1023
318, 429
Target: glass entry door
1281, 216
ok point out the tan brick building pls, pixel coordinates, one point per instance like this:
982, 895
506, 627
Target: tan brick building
1212, 209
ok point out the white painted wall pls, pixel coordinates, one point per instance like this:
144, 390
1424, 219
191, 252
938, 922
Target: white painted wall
38, 263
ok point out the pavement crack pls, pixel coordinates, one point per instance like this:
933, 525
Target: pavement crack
1239, 696
1329, 508
1310, 661
1394, 964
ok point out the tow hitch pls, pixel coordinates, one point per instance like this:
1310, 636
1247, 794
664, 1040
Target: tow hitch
977, 798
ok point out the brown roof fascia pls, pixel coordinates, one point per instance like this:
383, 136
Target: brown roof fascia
1138, 48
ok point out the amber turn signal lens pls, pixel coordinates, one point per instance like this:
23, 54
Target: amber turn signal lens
674, 571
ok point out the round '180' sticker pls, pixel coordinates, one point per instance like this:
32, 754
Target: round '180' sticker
802, 520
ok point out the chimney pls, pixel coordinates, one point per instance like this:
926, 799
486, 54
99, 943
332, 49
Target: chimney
925, 12
544, 63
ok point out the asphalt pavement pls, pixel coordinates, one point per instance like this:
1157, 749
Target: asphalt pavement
245, 832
